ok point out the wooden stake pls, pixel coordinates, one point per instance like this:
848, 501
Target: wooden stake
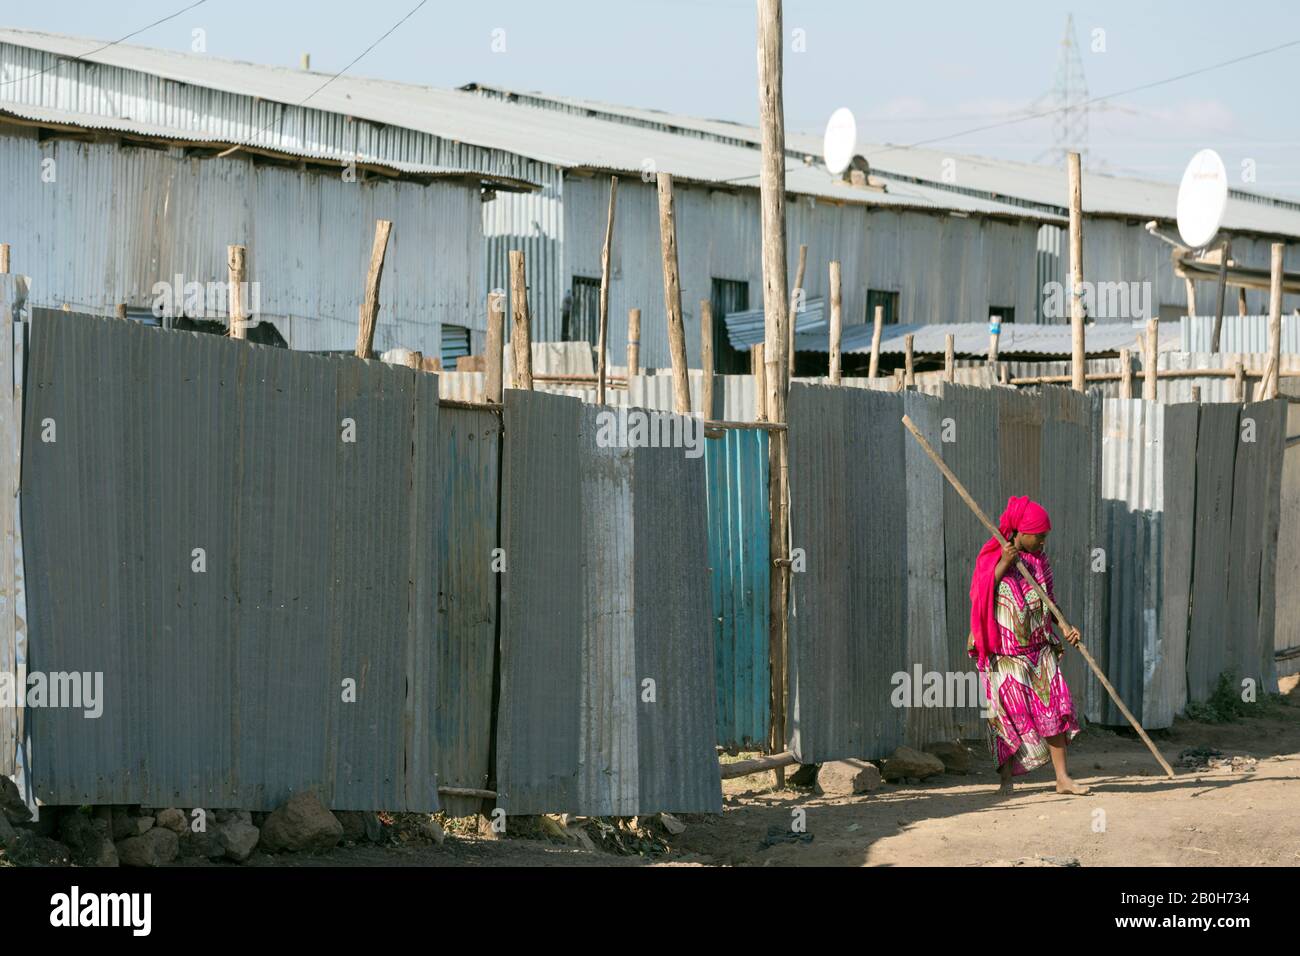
1269, 387
633, 342
758, 369
235, 271
874, 368
496, 331
1238, 382
1076, 273
706, 358
370, 306
1149, 371
1032, 582
1196, 394
1004, 374
796, 295
119, 311
909, 373
775, 301
1125, 373
837, 323
521, 342
1241, 300
602, 338
4, 258
949, 358
995, 332
1223, 288
1191, 298
673, 296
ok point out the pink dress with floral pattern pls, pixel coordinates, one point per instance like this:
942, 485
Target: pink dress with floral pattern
1026, 689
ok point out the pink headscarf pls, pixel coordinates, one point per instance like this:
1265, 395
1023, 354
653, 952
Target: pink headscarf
1024, 515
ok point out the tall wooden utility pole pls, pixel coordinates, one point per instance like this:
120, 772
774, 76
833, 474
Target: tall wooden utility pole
1076, 274
776, 300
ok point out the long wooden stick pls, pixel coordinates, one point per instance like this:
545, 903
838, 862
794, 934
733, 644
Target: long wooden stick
604, 293
1051, 606
370, 305
673, 295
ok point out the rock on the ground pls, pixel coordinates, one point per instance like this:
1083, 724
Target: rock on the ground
955, 755
171, 819
301, 823
7, 832
431, 829
844, 778
12, 806
237, 838
906, 762
88, 840
154, 847
360, 826
672, 824
127, 824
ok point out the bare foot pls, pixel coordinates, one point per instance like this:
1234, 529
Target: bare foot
1006, 786
1069, 786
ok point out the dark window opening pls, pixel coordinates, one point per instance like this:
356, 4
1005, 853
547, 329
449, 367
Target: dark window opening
727, 297
1004, 312
581, 322
889, 302
455, 344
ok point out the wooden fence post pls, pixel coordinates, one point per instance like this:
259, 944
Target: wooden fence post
673, 296
496, 331
874, 368
837, 323
797, 298
633, 342
1076, 270
706, 359
603, 340
521, 352
949, 358
235, 272
1125, 373
370, 305
1271, 386
1152, 350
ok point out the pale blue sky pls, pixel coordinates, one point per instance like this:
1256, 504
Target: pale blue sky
910, 72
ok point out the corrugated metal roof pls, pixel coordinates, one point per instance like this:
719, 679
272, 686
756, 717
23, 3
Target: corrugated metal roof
224, 688
997, 179
565, 140
972, 338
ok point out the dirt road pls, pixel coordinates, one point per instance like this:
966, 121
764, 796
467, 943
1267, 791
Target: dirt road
1134, 815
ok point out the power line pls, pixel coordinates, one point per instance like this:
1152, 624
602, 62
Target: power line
60, 58
1097, 99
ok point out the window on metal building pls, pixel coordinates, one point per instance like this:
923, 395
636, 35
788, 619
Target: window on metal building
583, 320
880, 297
455, 343
728, 296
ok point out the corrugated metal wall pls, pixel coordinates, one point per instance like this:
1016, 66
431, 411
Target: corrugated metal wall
225, 687
946, 268
848, 615
739, 523
138, 216
606, 549
470, 453
1240, 333
13, 597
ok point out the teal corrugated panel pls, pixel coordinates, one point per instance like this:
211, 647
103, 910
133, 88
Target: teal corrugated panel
736, 465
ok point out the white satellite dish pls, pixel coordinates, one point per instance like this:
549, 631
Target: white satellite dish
1202, 198
841, 141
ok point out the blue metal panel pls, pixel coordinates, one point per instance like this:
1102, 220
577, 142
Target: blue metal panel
739, 520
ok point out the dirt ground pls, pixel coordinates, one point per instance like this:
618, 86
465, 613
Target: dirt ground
1133, 816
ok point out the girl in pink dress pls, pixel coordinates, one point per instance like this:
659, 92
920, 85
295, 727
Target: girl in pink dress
1032, 714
